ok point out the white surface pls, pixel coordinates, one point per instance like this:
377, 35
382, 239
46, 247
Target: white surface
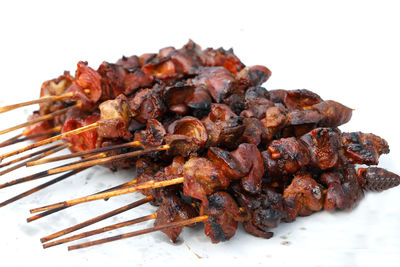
344, 50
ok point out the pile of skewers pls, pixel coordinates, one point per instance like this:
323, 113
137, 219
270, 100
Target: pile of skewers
208, 143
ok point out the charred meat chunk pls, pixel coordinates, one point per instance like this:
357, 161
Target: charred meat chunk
285, 156
264, 210
115, 118
363, 148
302, 197
223, 218
173, 209
153, 135
323, 145
202, 178
217, 80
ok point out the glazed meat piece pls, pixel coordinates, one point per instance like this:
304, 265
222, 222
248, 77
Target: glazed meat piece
186, 136
302, 197
147, 170
38, 127
187, 59
115, 118
344, 191
249, 157
54, 87
175, 95
171, 64
147, 104
235, 102
377, 179
254, 132
264, 210
323, 145
300, 99
363, 148
181, 145
301, 117
135, 80
277, 96
221, 57
227, 162
112, 79
129, 63
191, 127
334, 114
256, 103
217, 80
244, 163
252, 76
230, 133
199, 102
84, 141
224, 127
86, 78
202, 178
163, 68
183, 97
285, 156
153, 135
173, 209
352, 185
275, 120
223, 218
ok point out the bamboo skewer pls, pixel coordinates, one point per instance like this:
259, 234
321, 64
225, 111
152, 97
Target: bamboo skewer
100, 230
147, 185
96, 219
38, 101
5, 164
42, 118
11, 141
30, 137
42, 174
90, 163
140, 232
84, 153
26, 136
50, 140
44, 154
40, 187
49, 212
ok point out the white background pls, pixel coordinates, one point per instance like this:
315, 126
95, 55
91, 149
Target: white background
344, 50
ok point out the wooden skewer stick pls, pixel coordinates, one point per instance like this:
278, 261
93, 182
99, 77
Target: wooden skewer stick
84, 153
5, 164
40, 187
26, 136
96, 219
100, 230
108, 159
41, 174
147, 185
11, 141
38, 101
50, 140
140, 232
44, 154
42, 118
46, 213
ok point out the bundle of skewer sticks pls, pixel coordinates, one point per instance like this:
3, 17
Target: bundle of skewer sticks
209, 145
